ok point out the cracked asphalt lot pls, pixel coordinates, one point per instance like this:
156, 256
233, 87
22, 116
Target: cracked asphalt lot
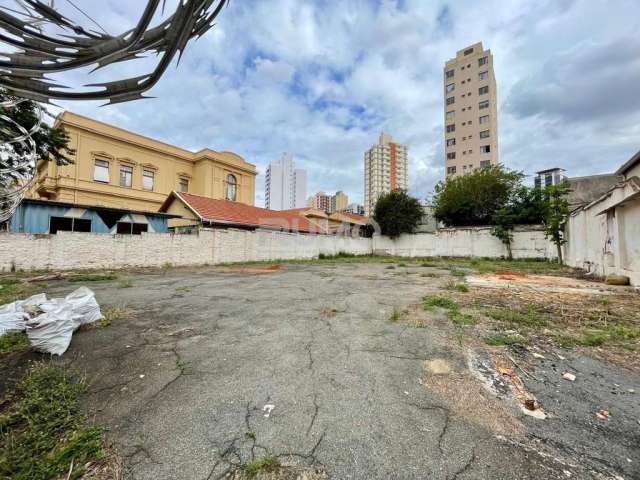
215, 367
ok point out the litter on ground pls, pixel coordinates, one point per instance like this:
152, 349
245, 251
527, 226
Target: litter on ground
50, 323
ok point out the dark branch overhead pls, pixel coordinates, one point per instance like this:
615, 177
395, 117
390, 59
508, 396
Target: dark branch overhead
24, 71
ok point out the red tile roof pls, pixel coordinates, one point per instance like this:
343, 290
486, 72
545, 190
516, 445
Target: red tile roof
235, 213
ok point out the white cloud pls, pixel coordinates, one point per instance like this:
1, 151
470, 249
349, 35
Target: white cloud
320, 79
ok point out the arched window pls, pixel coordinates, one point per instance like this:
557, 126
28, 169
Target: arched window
231, 188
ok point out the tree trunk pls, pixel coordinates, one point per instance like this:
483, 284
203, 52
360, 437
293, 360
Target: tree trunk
559, 247
509, 253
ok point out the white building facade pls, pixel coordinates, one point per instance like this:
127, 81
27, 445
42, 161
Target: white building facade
285, 185
385, 169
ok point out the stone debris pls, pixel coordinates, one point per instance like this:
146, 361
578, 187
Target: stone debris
569, 376
603, 414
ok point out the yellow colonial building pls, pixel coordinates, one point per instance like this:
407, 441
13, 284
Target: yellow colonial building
120, 169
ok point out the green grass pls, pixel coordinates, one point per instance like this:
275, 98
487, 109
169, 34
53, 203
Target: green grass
497, 340
264, 464
613, 334
457, 273
441, 302
93, 277
395, 315
183, 289
391, 267
112, 314
461, 319
460, 287
12, 342
402, 264
532, 316
43, 431
126, 283
12, 290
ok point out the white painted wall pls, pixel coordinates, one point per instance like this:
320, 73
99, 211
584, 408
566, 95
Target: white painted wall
603, 238
67, 250
528, 242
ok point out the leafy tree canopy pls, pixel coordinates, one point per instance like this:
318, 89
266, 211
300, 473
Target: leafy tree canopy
51, 143
476, 198
397, 213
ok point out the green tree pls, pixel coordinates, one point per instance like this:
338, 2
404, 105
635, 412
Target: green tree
397, 213
475, 198
525, 206
556, 212
51, 143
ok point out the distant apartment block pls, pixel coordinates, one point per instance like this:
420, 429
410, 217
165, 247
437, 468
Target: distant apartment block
339, 202
385, 170
285, 185
470, 111
551, 176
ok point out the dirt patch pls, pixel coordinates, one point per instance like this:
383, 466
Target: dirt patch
543, 283
266, 269
467, 398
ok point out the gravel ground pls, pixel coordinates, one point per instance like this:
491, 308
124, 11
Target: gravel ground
213, 368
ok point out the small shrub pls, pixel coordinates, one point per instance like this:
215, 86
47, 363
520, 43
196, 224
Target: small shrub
457, 273
395, 315
390, 267
429, 275
12, 342
402, 264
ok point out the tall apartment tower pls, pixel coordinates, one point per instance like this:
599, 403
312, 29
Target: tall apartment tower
285, 185
470, 111
385, 170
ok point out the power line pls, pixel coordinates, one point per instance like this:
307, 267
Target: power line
87, 15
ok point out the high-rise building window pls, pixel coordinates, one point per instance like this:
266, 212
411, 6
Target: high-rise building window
451, 128
483, 75
451, 115
485, 163
148, 177
484, 104
451, 87
484, 119
483, 61
451, 142
101, 171
126, 175
483, 90
485, 149
451, 100
449, 74
484, 134
451, 170
451, 156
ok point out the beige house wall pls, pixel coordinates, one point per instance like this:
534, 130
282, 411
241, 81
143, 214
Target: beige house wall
206, 170
467, 112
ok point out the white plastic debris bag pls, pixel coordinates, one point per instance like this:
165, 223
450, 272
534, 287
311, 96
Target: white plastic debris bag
84, 305
50, 323
11, 321
51, 331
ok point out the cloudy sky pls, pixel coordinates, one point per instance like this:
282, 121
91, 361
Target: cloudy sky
320, 79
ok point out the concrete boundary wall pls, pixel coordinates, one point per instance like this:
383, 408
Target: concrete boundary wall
528, 242
67, 251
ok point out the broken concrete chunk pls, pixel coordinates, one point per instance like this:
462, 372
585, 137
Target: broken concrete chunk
537, 355
569, 376
603, 414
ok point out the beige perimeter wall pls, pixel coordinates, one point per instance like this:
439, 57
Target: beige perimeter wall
67, 250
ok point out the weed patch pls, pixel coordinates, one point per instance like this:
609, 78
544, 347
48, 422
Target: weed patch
264, 464
530, 316
457, 273
44, 432
497, 340
93, 277
12, 342
441, 302
395, 315
459, 287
